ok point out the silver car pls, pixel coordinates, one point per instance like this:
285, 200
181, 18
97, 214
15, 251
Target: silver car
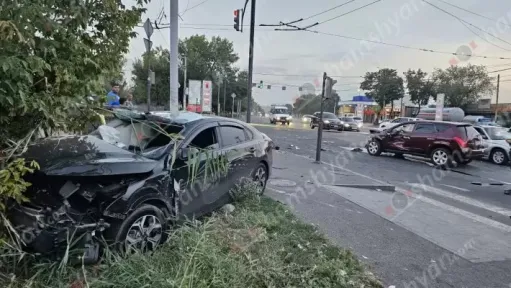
497, 143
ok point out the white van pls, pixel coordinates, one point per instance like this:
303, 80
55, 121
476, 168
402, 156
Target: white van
479, 120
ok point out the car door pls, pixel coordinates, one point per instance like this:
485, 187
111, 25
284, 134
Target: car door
485, 139
240, 153
192, 170
398, 136
421, 139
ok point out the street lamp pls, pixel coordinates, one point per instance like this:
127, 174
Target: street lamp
232, 111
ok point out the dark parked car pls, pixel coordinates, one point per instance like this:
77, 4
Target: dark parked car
330, 121
442, 142
129, 181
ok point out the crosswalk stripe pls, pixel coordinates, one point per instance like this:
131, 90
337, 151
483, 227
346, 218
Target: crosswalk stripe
463, 199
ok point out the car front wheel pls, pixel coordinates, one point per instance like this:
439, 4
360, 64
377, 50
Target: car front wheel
143, 230
260, 176
374, 147
312, 125
499, 157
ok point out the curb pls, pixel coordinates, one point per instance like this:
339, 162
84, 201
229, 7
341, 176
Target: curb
389, 188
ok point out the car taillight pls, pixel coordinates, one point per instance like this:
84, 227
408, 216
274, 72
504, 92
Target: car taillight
462, 143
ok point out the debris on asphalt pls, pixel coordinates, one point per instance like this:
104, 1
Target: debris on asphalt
279, 168
310, 182
323, 149
507, 192
358, 149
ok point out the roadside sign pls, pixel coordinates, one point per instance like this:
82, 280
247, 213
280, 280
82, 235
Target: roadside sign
207, 87
233, 95
439, 107
148, 27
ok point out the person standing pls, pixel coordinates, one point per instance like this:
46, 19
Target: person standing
113, 98
129, 101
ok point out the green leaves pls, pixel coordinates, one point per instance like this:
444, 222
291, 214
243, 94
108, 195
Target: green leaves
384, 86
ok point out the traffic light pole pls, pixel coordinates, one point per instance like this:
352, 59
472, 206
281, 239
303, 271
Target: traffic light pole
250, 59
320, 122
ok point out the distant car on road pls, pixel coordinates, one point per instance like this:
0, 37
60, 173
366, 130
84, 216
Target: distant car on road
396, 121
330, 121
442, 142
280, 114
350, 124
497, 143
307, 118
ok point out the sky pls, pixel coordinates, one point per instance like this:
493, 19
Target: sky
293, 58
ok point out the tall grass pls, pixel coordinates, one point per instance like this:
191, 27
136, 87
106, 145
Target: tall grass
260, 244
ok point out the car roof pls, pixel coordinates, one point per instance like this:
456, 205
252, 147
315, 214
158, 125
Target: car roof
442, 122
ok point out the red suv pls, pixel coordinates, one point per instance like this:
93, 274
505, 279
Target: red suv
442, 142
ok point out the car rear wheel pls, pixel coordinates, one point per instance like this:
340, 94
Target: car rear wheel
441, 157
143, 230
374, 147
260, 176
499, 157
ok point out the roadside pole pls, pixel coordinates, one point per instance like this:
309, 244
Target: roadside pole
174, 41
185, 89
320, 122
225, 91
148, 27
232, 110
250, 59
497, 100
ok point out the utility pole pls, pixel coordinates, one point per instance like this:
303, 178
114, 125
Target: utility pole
174, 43
232, 110
326, 93
148, 27
225, 91
497, 101
250, 59
218, 99
185, 89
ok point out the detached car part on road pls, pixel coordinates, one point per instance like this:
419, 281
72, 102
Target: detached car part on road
442, 142
129, 181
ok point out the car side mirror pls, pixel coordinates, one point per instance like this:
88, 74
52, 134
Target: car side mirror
184, 152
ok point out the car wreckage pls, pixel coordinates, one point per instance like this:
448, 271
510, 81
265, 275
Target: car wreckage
129, 181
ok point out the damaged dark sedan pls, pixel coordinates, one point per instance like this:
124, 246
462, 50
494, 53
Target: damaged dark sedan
129, 181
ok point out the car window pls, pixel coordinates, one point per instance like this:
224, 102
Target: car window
405, 127
481, 131
206, 139
402, 120
232, 135
329, 116
472, 132
425, 128
442, 127
395, 120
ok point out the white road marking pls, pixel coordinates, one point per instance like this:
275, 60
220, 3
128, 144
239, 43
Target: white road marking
456, 187
463, 199
507, 183
472, 216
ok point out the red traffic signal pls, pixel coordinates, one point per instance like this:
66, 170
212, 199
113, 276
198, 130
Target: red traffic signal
237, 19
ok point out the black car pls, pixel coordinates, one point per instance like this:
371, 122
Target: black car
129, 180
350, 124
330, 121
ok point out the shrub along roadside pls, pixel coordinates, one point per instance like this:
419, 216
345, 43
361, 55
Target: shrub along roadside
260, 244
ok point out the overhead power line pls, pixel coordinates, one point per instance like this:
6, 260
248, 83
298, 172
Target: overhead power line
468, 23
409, 47
328, 10
473, 13
193, 7
500, 70
349, 12
305, 75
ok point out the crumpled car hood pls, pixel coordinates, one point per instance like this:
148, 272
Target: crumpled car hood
85, 156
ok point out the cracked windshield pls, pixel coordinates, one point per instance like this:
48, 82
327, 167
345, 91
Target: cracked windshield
249, 143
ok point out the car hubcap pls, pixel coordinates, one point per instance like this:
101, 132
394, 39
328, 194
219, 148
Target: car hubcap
440, 157
498, 157
144, 234
373, 147
260, 177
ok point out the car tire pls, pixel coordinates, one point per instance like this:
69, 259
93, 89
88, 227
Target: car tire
288, 123
374, 147
499, 157
145, 215
312, 125
441, 157
260, 175
399, 155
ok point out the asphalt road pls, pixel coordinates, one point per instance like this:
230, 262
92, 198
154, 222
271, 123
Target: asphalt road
400, 234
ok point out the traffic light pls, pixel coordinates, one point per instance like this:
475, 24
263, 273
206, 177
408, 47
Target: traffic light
237, 13
329, 84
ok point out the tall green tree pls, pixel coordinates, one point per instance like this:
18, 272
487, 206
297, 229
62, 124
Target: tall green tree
383, 86
50, 63
420, 88
463, 85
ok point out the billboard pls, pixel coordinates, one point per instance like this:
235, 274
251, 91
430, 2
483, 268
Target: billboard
194, 92
207, 90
